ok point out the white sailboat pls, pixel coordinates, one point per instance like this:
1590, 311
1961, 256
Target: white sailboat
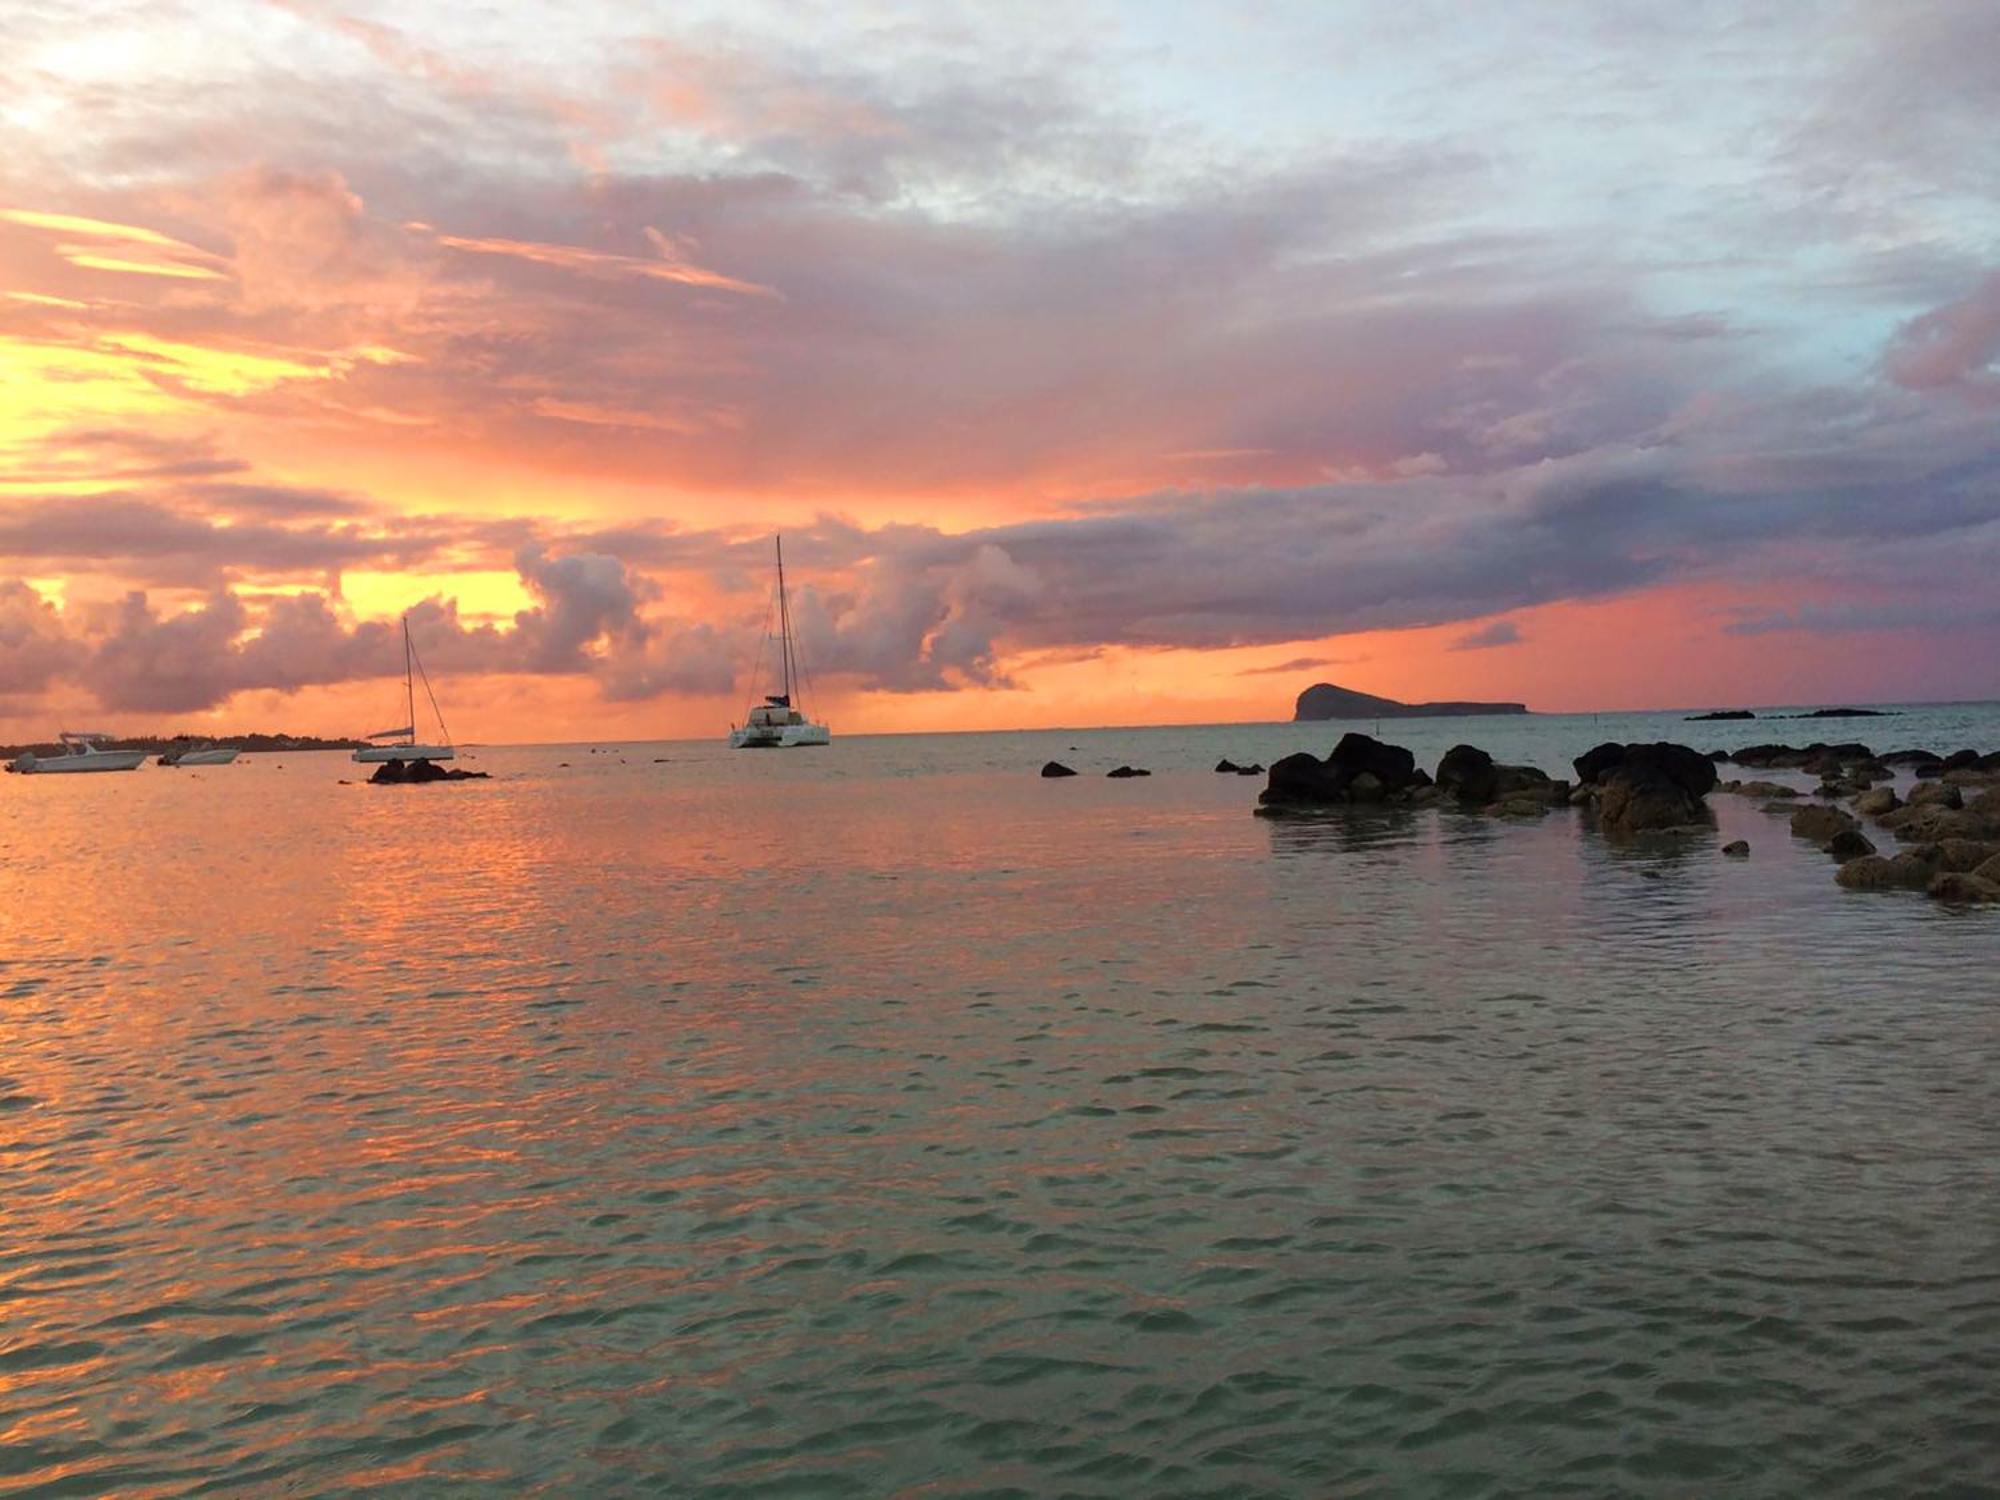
778, 723
401, 742
80, 753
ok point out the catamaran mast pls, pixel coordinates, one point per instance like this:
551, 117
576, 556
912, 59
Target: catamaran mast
784, 622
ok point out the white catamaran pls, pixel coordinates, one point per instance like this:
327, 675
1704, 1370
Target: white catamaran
401, 743
777, 723
80, 752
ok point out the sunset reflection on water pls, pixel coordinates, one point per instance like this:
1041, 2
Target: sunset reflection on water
854, 1121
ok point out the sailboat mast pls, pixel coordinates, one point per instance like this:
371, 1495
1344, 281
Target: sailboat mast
784, 621
409, 687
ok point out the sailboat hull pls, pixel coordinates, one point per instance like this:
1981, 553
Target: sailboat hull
375, 754
779, 736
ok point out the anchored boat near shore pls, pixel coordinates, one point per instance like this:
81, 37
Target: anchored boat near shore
81, 752
199, 753
778, 723
401, 742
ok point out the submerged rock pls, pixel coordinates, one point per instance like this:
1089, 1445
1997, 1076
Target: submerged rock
1821, 824
1737, 849
1908, 871
1963, 890
1937, 794
1966, 856
1872, 804
1759, 789
1849, 843
1054, 769
1125, 773
1227, 767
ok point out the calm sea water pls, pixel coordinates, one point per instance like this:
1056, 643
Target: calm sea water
883, 1120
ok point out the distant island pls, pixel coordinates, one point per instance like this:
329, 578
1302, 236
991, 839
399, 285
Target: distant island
152, 744
1325, 701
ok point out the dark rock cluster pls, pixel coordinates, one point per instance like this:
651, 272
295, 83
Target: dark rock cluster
419, 773
1654, 788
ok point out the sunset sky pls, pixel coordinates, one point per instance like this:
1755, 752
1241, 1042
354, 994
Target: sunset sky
1101, 362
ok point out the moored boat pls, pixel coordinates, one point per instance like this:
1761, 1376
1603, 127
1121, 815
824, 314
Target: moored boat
80, 752
199, 753
778, 723
401, 743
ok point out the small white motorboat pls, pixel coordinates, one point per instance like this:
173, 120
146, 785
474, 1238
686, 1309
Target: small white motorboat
80, 752
199, 753
776, 723
401, 742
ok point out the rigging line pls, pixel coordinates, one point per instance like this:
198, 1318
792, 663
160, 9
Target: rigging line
442, 729
757, 659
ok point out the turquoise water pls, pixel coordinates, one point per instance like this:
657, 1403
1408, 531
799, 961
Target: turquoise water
883, 1120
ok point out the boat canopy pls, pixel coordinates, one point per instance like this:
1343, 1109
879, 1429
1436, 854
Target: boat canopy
392, 734
778, 700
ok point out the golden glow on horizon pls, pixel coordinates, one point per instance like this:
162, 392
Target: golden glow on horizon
484, 596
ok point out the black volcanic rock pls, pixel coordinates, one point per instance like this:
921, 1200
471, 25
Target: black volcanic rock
1648, 788
1596, 761
1845, 713
1393, 766
1227, 767
1468, 774
1054, 769
1126, 773
1719, 715
1303, 780
1325, 701
419, 773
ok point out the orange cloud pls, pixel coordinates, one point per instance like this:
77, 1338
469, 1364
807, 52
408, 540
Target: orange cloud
604, 263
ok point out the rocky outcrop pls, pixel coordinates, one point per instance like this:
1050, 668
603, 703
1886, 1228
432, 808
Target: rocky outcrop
1873, 804
1963, 890
1325, 701
1737, 849
1126, 773
1720, 715
419, 773
1937, 794
1360, 770
1055, 768
1849, 843
1820, 824
1648, 788
1820, 759
1966, 856
1765, 789
1908, 871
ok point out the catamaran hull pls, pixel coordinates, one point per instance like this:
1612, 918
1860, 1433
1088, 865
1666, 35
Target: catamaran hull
779, 737
375, 754
97, 760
